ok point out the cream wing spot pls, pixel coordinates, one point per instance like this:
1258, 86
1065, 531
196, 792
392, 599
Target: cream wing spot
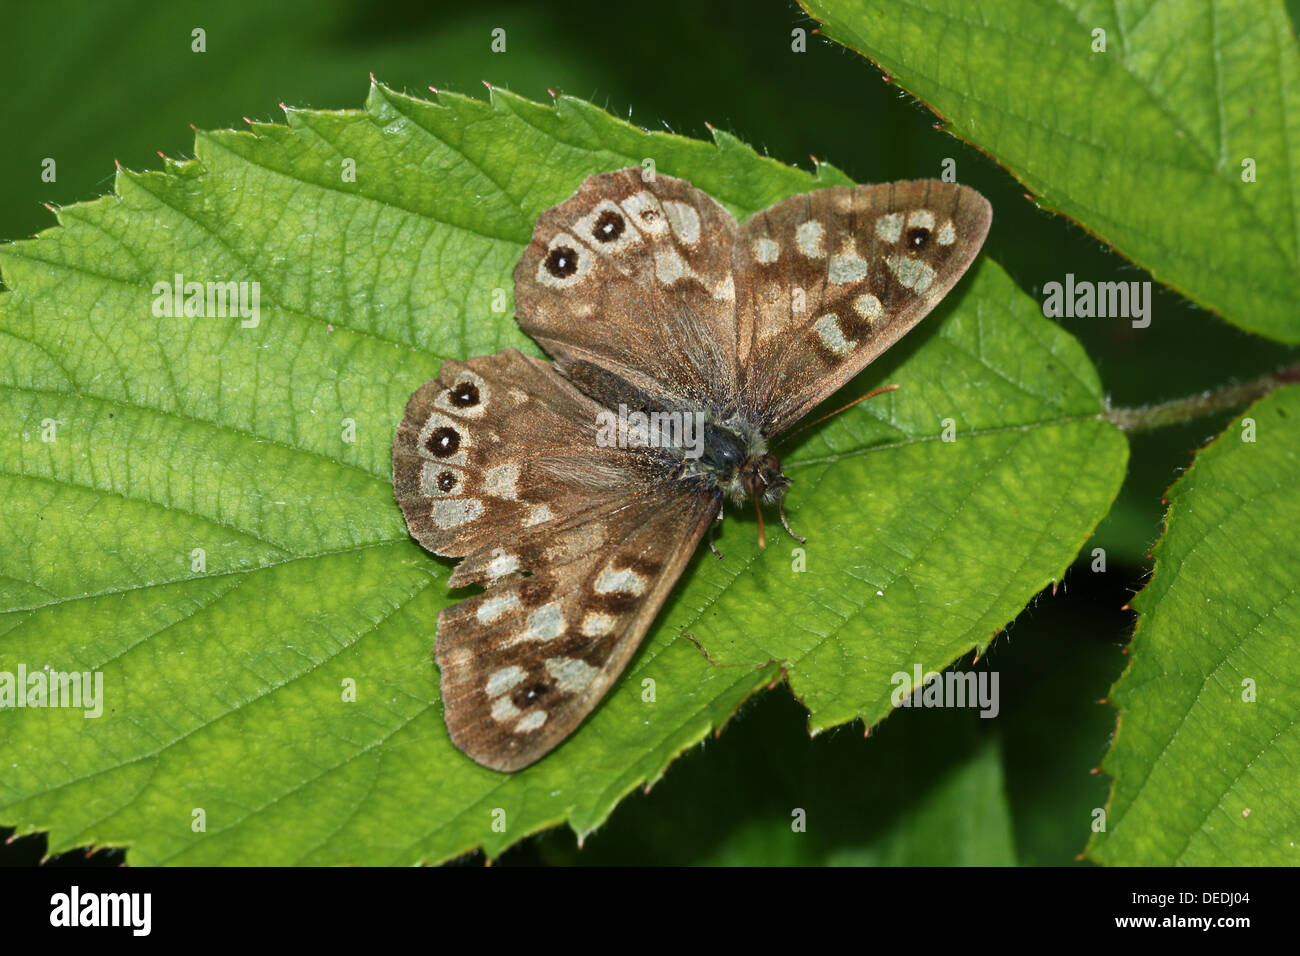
502, 564
911, 273
544, 624
530, 723
460, 658
868, 308
920, 219
766, 251
947, 234
597, 624
502, 481
684, 220
504, 709
847, 268
832, 336
581, 541
725, 290
889, 227
622, 580
669, 266
492, 608
454, 512
537, 514
570, 674
504, 679
808, 237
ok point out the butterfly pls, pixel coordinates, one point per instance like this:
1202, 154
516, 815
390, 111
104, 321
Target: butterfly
706, 339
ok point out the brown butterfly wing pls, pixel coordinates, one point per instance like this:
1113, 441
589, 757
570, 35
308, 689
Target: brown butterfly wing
575, 544
525, 662
647, 289
828, 281
634, 277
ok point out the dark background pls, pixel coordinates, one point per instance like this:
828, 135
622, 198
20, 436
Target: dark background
88, 83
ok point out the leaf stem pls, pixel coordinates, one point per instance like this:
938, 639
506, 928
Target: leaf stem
1180, 410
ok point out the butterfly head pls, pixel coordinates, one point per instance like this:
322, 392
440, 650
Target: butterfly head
762, 479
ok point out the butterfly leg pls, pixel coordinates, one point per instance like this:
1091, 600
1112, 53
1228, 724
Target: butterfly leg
713, 533
780, 509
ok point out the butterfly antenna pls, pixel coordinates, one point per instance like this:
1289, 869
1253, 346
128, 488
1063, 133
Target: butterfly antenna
818, 421
758, 510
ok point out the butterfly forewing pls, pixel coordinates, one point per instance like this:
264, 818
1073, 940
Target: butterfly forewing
634, 276
829, 280
494, 447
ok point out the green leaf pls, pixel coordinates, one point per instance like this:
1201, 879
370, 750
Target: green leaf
224, 685
926, 790
1206, 758
1142, 144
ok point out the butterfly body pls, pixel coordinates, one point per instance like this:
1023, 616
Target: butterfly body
684, 344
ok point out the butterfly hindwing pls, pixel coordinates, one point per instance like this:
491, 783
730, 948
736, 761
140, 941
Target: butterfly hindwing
829, 280
525, 661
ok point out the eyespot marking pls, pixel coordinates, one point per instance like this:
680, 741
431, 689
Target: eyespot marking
443, 442
562, 262
566, 262
464, 394
609, 226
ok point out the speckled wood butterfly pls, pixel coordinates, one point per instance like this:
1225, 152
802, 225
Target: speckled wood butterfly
707, 339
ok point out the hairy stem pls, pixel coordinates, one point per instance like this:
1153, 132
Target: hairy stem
1188, 409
